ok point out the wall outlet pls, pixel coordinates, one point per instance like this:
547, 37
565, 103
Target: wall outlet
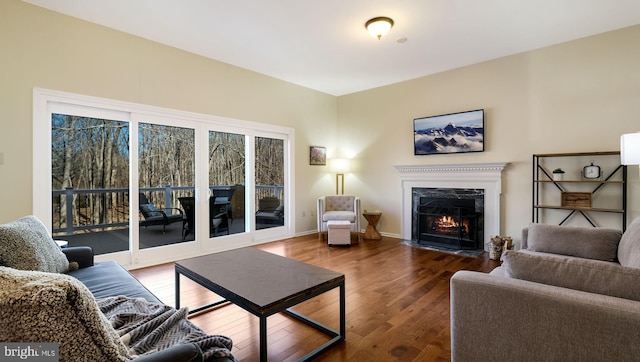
1, 158
303, 215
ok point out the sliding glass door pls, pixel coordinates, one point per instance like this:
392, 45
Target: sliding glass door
166, 179
269, 185
193, 183
227, 179
90, 182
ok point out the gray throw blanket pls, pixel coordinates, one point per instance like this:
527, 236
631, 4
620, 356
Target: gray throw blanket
149, 327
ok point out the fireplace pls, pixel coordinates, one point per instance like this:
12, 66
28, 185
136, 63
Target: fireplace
448, 217
472, 178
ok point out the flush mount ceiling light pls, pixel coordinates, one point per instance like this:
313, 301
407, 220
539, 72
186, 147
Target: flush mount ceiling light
378, 27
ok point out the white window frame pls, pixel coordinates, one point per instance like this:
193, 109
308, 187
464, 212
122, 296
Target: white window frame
46, 102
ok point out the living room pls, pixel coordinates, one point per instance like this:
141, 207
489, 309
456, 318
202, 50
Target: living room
576, 96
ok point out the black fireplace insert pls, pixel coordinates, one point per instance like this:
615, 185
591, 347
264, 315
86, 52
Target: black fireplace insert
446, 222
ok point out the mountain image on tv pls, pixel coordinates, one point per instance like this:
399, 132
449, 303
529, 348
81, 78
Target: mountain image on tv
452, 133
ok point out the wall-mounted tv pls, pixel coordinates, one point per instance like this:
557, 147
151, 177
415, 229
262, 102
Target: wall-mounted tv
449, 133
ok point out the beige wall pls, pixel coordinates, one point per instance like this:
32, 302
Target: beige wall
574, 97
44, 49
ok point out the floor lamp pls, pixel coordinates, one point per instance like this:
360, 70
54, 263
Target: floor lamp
630, 149
340, 166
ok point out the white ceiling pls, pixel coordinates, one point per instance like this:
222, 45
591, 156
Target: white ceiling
323, 44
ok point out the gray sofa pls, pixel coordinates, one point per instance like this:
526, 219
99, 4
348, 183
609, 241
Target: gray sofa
108, 279
93, 311
570, 294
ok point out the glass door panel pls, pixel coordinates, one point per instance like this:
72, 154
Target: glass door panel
166, 171
90, 182
226, 183
269, 182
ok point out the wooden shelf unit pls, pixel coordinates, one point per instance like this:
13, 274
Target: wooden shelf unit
543, 176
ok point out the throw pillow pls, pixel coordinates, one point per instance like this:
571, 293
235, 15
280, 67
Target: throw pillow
629, 248
592, 276
56, 308
583, 242
26, 244
149, 210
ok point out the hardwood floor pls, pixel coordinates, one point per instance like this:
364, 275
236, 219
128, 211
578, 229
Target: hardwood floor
397, 303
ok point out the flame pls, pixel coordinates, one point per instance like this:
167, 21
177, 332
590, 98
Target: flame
448, 222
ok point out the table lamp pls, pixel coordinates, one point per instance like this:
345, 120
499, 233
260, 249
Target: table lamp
340, 166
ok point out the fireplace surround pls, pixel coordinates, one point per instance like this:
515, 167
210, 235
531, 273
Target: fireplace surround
485, 176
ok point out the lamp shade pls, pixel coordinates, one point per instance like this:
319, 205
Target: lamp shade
630, 149
340, 165
378, 27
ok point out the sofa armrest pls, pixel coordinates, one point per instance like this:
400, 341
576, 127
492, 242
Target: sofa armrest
510, 319
83, 255
179, 353
524, 243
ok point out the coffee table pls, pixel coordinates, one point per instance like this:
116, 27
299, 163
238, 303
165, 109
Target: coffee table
263, 284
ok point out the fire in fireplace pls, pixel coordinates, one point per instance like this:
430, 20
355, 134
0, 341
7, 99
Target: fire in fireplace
448, 222
447, 225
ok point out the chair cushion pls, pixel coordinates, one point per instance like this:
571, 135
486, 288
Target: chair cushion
279, 211
629, 247
56, 308
339, 215
339, 203
150, 210
26, 244
587, 275
583, 242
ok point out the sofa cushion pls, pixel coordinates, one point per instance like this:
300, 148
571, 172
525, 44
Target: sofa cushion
629, 247
56, 308
587, 275
583, 242
110, 279
25, 244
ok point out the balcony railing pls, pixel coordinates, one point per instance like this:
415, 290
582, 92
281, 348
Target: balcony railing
103, 209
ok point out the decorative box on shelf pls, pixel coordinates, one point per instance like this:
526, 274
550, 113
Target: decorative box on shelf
576, 199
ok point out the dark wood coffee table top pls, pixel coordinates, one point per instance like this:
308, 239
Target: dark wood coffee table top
260, 282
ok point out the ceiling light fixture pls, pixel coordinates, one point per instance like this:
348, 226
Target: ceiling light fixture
378, 27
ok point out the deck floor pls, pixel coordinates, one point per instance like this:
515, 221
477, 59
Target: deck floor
105, 242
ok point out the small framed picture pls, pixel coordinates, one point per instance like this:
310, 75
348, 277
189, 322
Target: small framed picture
317, 156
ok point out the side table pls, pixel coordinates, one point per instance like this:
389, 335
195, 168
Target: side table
371, 232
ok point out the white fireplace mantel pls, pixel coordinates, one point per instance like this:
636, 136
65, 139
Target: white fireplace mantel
487, 176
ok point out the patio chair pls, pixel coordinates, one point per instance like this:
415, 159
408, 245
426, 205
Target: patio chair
217, 221
270, 215
189, 222
222, 201
219, 215
154, 216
